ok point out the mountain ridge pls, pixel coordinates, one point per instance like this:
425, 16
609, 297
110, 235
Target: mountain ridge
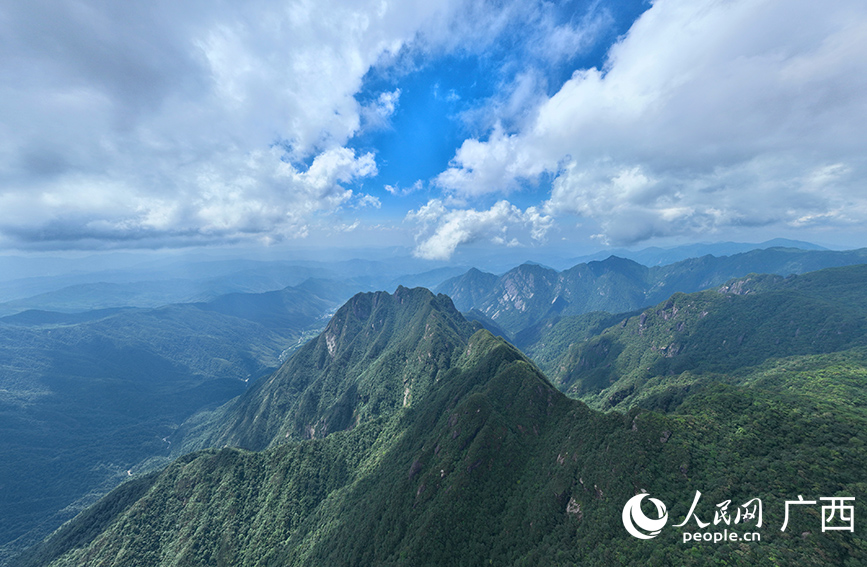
86, 399
492, 465
530, 293
657, 256
740, 324
357, 342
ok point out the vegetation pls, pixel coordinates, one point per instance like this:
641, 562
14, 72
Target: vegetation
379, 352
485, 462
529, 294
692, 338
86, 399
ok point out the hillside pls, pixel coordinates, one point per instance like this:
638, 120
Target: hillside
86, 397
489, 464
723, 331
528, 294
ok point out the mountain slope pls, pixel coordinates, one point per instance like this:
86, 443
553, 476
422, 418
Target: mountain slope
469, 289
470, 473
491, 465
739, 325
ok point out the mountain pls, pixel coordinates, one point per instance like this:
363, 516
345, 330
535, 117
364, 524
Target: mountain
621, 360
528, 294
151, 284
484, 321
429, 279
655, 256
104, 295
120, 280
483, 462
469, 289
86, 397
394, 348
288, 308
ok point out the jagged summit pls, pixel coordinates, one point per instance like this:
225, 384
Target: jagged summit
379, 352
522, 297
374, 315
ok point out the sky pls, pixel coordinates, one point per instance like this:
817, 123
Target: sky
436, 126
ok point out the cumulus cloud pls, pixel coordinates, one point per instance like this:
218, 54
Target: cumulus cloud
497, 165
364, 200
211, 122
251, 194
444, 229
545, 38
708, 115
192, 120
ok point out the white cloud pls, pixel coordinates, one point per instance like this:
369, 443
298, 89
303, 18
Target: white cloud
348, 227
494, 166
545, 36
270, 195
398, 192
242, 196
555, 40
201, 121
364, 200
707, 115
154, 121
377, 113
444, 229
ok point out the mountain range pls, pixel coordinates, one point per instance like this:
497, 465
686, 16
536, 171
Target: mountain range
87, 399
406, 435
656, 256
530, 293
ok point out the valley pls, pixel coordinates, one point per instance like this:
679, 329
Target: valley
402, 425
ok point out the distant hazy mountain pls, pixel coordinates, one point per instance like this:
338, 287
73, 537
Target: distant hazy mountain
429, 279
72, 286
655, 256
152, 292
84, 397
63, 285
433, 446
531, 293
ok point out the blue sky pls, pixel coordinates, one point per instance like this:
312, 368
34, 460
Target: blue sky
508, 124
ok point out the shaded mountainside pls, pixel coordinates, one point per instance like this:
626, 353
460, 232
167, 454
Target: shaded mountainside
624, 358
531, 293
85, 397
483, 462
469, 289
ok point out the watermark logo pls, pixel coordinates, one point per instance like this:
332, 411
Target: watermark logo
634, 519
837, 515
